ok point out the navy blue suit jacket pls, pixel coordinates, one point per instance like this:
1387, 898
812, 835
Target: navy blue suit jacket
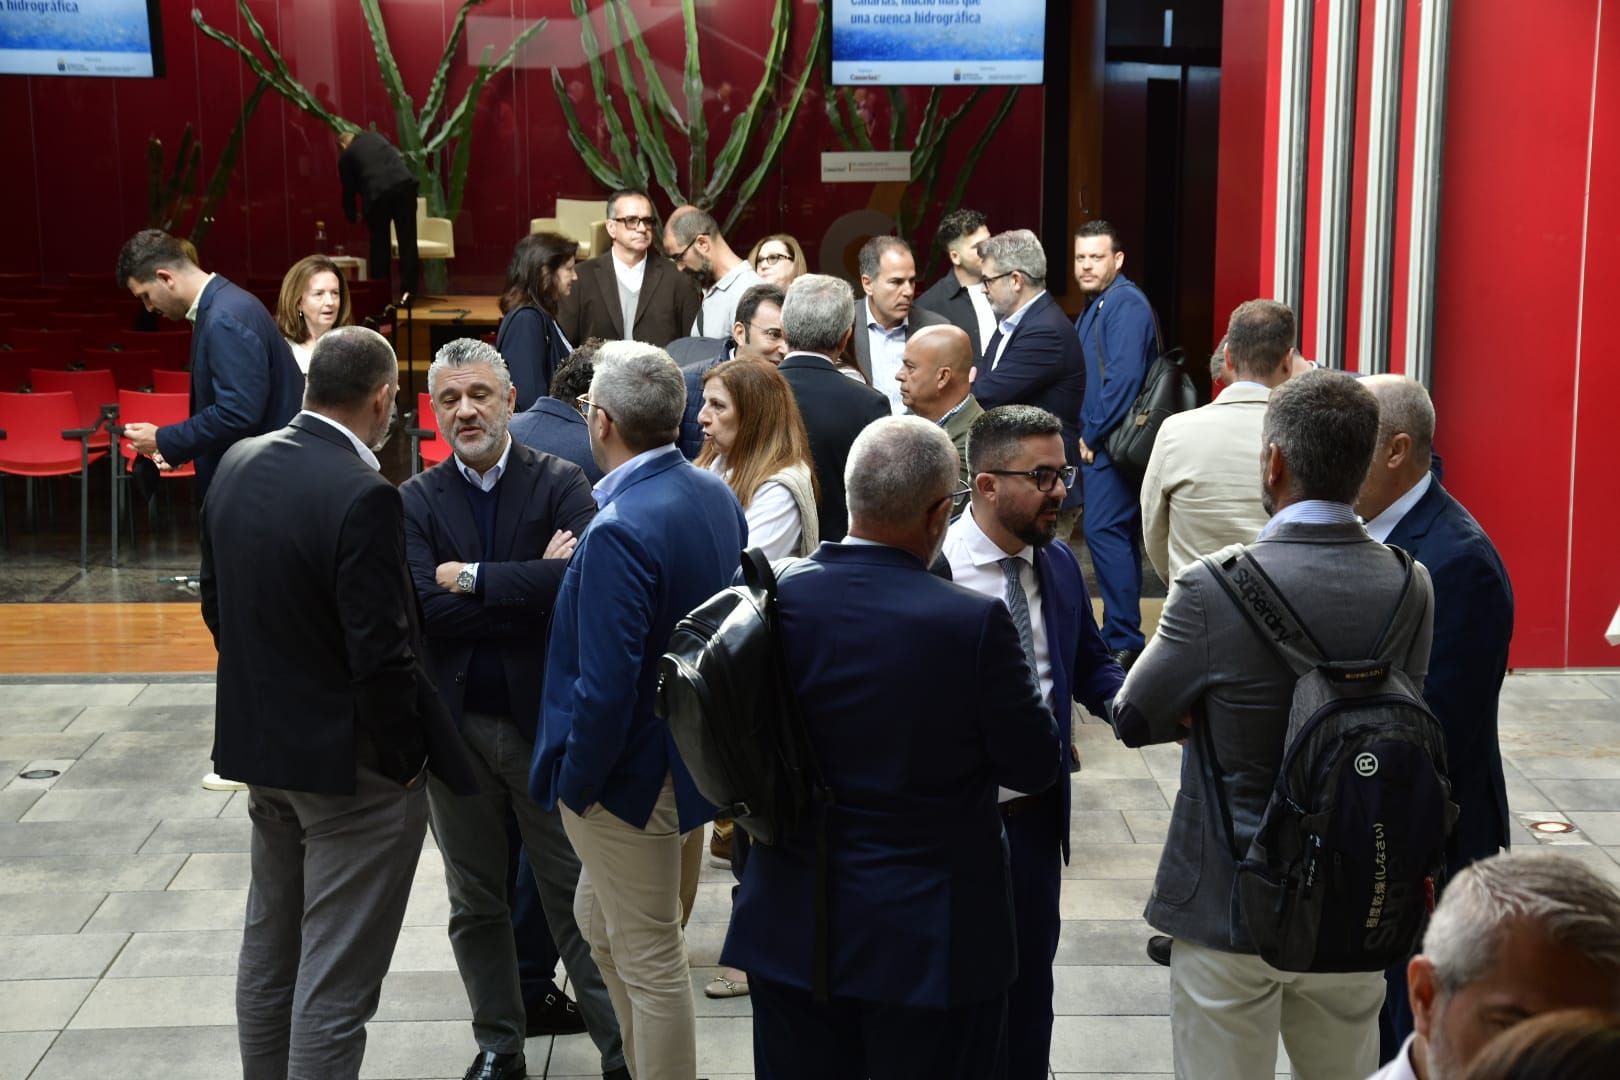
691, 440
556, 427
668, 537
1473, 623
1119, 321
537, 495
919, 703
244, 380
1041, 366
533, 348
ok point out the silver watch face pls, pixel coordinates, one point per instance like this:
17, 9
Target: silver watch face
464, 580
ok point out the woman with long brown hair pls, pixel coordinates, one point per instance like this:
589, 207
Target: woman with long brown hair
540, 275
314, 299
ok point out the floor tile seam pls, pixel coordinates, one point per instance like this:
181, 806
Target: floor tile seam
55, 1033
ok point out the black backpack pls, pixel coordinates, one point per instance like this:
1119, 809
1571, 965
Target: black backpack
1167, 389
1350, 853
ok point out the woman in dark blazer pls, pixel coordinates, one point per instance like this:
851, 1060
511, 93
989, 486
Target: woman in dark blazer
540, 275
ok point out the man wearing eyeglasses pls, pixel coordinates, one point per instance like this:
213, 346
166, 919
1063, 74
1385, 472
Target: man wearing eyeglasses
695, 245
630, 292
755, 335
1001, 546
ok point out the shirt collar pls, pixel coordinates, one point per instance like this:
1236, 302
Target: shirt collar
196, 302
983, 550
607, 487
1311, 512
1250, 383
359, 447
1010, 323
1381, 526
732, 276
958, 407
861, 541
872, 323
487, 482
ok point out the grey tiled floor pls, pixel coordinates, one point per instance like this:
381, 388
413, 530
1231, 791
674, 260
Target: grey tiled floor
122, 886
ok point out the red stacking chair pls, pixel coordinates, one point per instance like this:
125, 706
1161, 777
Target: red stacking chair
175, 345
28, 313
428, 446
135, 407
24, 284
15, 366
93, 390
63, 348
132, 369
165, 381
43, 438
99, 328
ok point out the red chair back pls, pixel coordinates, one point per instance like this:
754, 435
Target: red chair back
99, 328
63, 347
91, 389
15, 366
171, 382
434, 450
132, 370
175, 345
7, 319
33, 445
24, 284
160, 409
30, 314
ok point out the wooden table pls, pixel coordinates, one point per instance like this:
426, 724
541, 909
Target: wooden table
436, 319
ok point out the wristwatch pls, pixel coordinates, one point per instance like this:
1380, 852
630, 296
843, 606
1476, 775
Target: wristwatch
467, 579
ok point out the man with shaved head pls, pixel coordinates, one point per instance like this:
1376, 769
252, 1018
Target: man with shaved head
693, 241
1404, 505
934, 382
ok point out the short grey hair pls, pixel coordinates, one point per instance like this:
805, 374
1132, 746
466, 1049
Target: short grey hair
872, 252
817, 312
464, 352
642, 390
1326, 425
898, 468
689, 222
1404, 408
1018, 250
1569, 903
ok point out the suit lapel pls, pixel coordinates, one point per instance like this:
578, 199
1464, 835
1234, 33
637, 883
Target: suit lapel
863, 343
1057, 610
650, 282
454, 510
1415, 525
607, 282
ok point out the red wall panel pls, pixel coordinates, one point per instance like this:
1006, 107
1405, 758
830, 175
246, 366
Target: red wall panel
1243, 222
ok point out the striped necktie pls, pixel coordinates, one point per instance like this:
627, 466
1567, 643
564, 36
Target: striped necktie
1018, 603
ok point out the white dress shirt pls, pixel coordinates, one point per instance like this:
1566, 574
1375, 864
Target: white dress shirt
1400, 1066
983, 312
976, 563
886, 347
302, 353
487, 482
1381, 526
1008, 325
772, 515
191, 312
354, 440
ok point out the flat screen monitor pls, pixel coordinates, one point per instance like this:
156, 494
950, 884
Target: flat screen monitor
95, 38
937, 42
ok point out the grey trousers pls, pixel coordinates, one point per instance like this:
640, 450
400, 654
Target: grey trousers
331, 875
471, 833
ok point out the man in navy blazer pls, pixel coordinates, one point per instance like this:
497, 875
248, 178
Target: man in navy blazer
1033, 357
667, 537
554, 423
919, 703
244, 380
1017, 470
756, 335
1405, 506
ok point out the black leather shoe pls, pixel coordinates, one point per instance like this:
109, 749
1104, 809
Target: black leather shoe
489, 1065
1158, 949
1126, 657
621, 1073
553, 1014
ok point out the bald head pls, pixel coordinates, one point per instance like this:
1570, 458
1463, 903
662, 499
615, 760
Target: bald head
935, 369
1405, 442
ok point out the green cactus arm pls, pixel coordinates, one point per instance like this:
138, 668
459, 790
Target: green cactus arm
183, 154
925, 131
656, 92
618, 141
225, 166
459, 128
405, 130
835, 118
773, 148
469, 101
697, 125
942, 131
897, 118
652, 147
857, 126
154, 180
593, 158
256, 31
965, 173
441, 75
287, 88
748, 121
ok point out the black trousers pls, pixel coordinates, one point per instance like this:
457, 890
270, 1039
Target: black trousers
397, 207
846, 1039
1035, 843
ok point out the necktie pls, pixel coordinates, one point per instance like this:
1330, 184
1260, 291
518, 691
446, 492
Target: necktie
1018, 604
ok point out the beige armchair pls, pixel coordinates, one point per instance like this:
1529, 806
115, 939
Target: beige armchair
579, 219
435, 236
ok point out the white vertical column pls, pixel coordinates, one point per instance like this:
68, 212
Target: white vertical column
1338, 146
1383, 154
1428, 141
1293, 152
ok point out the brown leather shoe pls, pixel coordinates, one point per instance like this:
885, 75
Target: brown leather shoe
720, 851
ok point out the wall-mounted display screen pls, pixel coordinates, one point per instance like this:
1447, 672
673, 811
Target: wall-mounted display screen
105, 38
937, 42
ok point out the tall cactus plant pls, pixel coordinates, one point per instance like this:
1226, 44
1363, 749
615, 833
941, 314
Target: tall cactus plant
657, 123
170, 190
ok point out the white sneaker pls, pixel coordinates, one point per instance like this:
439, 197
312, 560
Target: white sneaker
215, 782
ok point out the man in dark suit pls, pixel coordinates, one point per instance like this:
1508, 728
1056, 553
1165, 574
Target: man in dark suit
1120, 337
554, 424
244, 380
1405, 506
630, 292
920, 920
374, 173
1032, 358
756, 335
1206, 665
323, 709
1002, 547
817, 319
957, 295
667, 537
886, 319
488, 534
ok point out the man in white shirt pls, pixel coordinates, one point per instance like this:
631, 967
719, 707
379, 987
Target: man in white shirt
629, 292
957, 295
886, 320
695, 245
1513, 937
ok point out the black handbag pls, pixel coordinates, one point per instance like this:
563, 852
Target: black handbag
1167, 389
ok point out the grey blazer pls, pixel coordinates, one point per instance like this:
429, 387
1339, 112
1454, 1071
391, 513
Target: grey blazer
1206, 658
916, 319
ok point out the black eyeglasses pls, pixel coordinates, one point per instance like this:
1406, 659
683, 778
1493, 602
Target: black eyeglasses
985, 282
1044, 476
773, 334
681, 254
585, 405
773, 258
637, 223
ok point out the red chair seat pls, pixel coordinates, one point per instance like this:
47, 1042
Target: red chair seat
160, 409
91, 389
436, 449
34, 445
165, 381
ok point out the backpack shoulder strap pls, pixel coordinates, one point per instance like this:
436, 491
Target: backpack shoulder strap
1253, 592
1408, 613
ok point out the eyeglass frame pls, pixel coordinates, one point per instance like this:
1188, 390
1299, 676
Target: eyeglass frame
773, 334
681, 254
584, 404
772, 259
635, 222
1066, 473
984, 282
961, 491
